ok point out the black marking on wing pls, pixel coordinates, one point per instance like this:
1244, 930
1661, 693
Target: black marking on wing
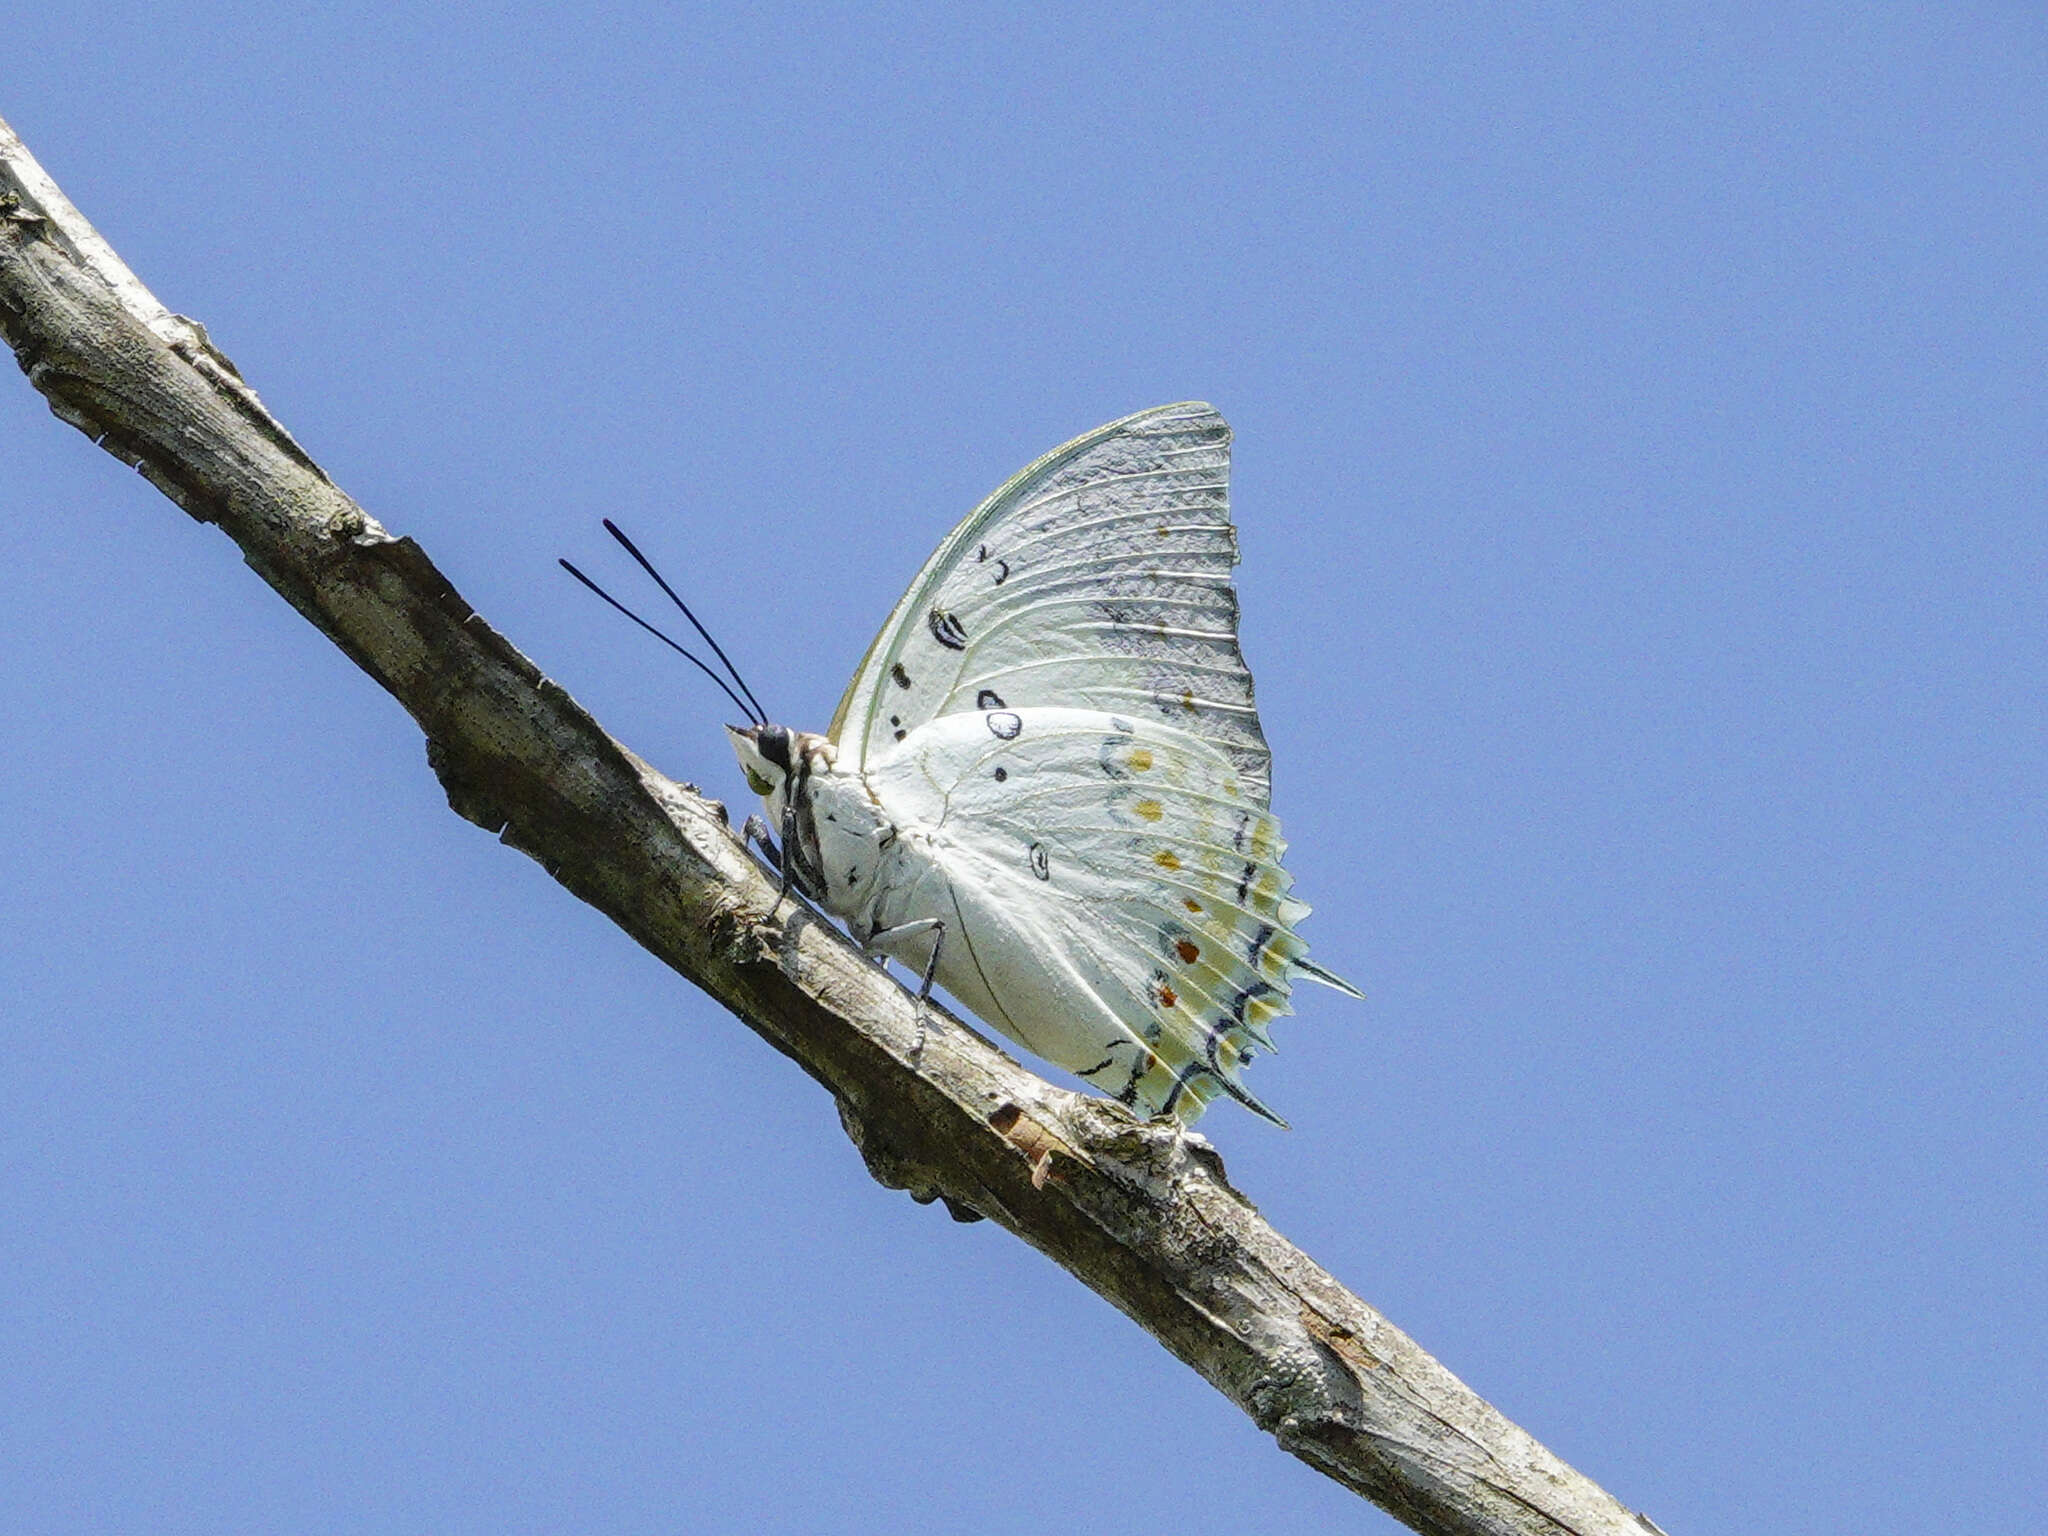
1002, 566
1246, 997
1003, 725
902, 677
1181, 1079
1244, 884
1002, 773
946, 630
1041, 865
988, 698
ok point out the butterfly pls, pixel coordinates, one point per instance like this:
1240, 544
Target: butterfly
1046, 788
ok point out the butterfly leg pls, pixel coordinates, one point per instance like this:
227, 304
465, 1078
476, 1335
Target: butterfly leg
780, 861
754, 834
788, 859
934, 926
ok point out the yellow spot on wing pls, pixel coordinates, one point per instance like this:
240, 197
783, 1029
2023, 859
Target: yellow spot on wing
1166, 858
1149, 809
1140, 760
1191, 904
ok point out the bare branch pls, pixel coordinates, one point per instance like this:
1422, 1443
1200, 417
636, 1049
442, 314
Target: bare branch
1146, 1219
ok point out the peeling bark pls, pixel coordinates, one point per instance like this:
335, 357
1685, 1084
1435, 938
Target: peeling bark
1142, 1215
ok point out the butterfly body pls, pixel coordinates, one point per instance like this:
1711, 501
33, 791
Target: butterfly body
836, 836
1047, 781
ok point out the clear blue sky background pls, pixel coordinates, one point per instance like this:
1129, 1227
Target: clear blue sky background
1640, 474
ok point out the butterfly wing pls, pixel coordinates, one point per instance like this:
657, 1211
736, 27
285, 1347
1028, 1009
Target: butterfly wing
1098, 578
1112, 892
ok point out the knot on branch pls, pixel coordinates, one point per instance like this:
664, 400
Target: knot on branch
469, 794
891, 1168
15, 211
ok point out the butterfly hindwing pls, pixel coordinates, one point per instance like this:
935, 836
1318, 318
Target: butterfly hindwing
1113, 892
1098, 578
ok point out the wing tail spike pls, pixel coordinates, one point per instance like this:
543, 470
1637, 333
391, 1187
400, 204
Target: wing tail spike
1244, 1096
1303, 966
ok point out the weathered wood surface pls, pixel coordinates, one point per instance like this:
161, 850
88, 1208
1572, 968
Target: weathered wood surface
1144, 1218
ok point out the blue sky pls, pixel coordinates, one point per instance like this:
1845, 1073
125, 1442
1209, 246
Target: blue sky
1639, 472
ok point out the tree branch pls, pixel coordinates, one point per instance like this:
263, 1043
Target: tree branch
1143, 1217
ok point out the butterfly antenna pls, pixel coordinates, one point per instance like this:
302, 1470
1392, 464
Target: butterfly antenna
647, 565
755, 714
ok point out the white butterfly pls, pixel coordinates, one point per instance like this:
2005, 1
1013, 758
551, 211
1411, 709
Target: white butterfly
1046, 786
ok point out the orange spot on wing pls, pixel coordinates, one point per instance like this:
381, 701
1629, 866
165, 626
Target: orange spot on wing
1191, 904
1188, 950
1166, 997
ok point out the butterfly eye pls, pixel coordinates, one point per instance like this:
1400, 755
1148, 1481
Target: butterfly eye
759, 785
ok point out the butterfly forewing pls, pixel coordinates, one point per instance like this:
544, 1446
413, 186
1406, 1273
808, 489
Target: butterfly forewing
1099, 578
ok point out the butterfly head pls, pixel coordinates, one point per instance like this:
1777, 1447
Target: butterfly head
767, 757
